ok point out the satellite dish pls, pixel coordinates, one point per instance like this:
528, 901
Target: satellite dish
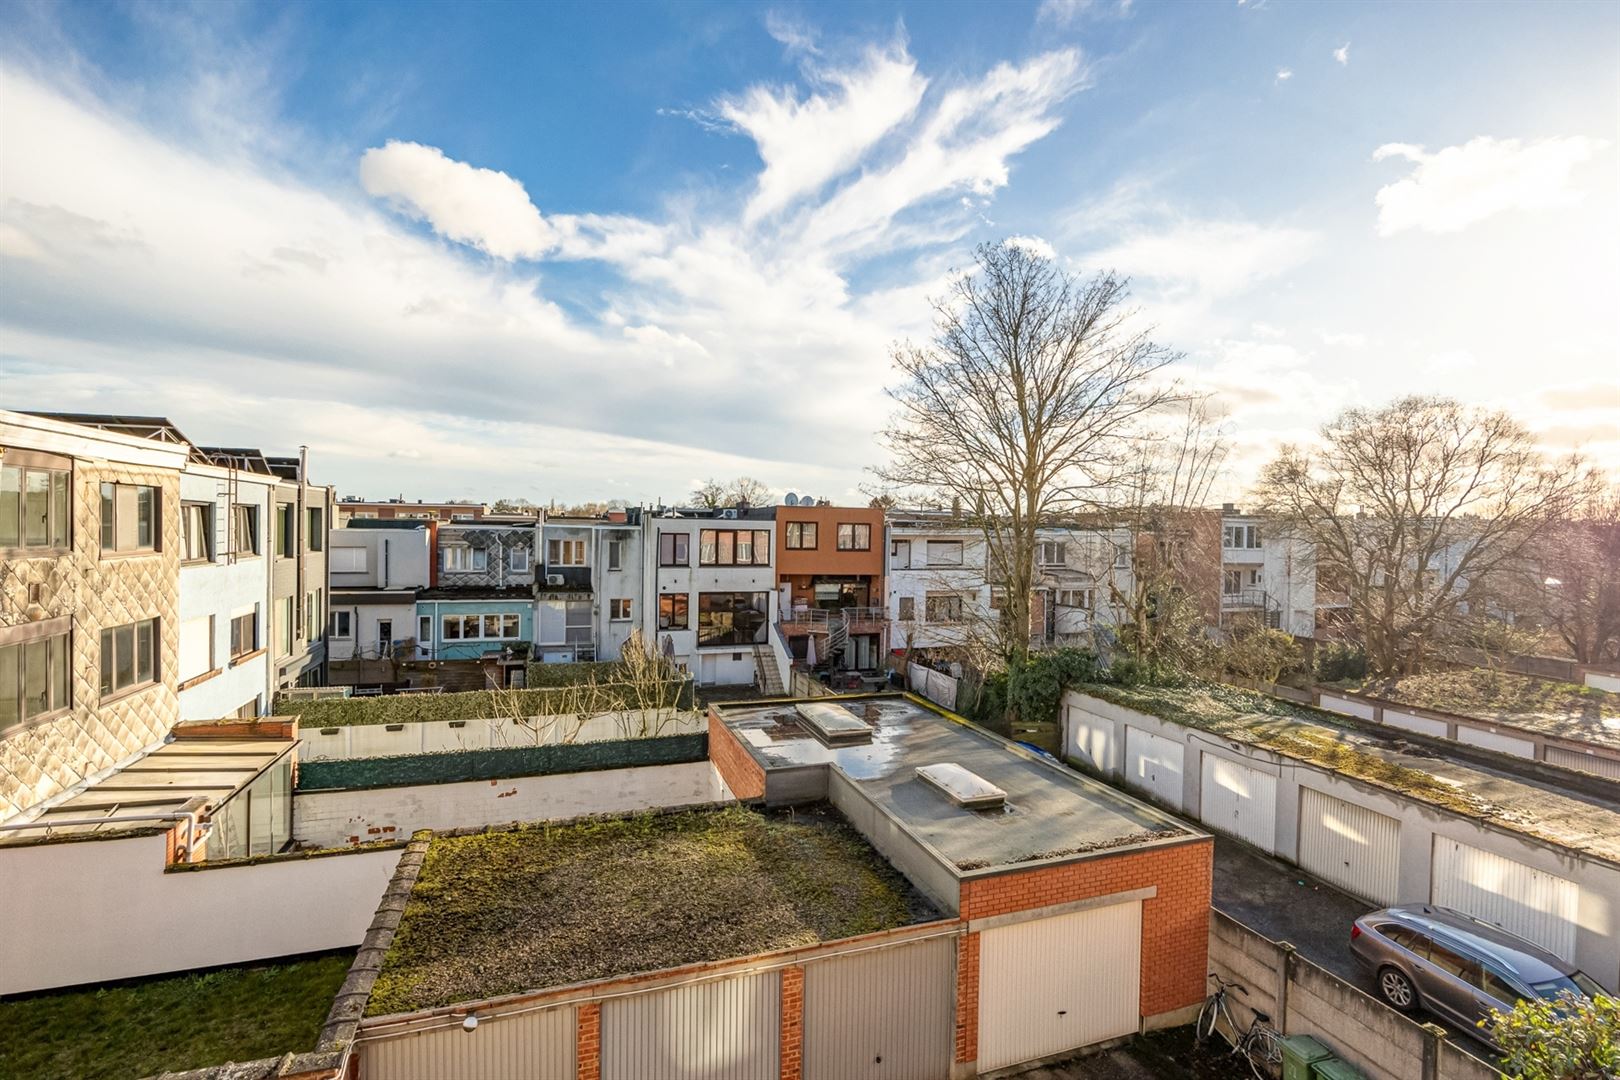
792, 499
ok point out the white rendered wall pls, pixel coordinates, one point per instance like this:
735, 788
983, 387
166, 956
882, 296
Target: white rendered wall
335, 818
376, 740
99, 910
224, 589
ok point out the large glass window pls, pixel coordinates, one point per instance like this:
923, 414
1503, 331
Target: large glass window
674, 549
34, 680
486, 627
944, 553
733, 618
1240, 536
577, 623
34, 507
854, 536
801, 536
256, 820
129, 517
734, 547
944, 607
461, 558
672, 612
565, 552
129, 656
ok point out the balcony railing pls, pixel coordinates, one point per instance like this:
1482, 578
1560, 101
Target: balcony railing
809, 620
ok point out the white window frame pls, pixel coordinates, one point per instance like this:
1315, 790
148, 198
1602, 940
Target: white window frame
564, 551
619, 609
942, 546
342, 624
517, 560
1049, 553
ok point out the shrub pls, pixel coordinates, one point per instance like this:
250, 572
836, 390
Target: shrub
589, 698
1572, 1038
1339, 662
1262, 655
1035, 691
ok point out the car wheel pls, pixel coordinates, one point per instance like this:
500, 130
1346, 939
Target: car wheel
1397, 989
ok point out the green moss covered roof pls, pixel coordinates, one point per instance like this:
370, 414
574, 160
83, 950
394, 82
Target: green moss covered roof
1545, 705
538, 906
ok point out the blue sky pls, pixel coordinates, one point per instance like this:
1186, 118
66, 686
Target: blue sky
607, 250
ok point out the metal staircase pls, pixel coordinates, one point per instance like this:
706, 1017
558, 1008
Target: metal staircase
766, 674
838, 637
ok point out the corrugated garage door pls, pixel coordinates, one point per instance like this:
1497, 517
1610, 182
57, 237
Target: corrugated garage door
724, 1029
1355, 848
539, 1044
1091, 738
887, 1014
1536, 905
1491, 740
1592, 763
1237, 799
1153, 763
1055, 984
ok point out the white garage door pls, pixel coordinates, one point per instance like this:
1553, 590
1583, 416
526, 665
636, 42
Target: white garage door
1051, 985
1355, 848
1237, 799
1586, 762
1492, 740
1091, 738
1153, 763
1536, 905
724, 1029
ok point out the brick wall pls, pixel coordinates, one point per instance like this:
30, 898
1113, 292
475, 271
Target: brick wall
737, 766
1175, 922
588, 1041
792, 1040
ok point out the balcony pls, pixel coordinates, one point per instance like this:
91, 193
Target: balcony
809, 620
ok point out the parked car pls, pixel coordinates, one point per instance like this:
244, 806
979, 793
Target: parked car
1457, 966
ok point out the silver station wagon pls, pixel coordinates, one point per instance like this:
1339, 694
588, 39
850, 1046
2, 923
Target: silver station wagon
1456, 966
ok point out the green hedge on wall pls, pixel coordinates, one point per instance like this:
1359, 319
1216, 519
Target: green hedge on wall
603, 671
453, 766
471, 705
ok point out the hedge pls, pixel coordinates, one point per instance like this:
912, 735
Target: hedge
602, 671
470, 705
454, 766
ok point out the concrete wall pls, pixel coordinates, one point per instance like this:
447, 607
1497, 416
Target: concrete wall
99, 910
335, 818
1597, 937
395, 558
1305, 999
911, 856
1601, 681
383, 740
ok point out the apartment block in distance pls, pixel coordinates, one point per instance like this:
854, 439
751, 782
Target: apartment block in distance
89, 581
357, 509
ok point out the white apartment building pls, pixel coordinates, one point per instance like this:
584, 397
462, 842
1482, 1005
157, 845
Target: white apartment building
711, 592
375, 575
1266, 576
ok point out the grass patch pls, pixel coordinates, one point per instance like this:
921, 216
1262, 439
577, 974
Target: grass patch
1297, 730
537, 906
1500, 696
177, 1022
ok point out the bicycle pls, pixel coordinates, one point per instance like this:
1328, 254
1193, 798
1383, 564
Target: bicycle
1259, 1045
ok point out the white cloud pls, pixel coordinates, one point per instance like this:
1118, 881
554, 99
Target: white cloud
1033, 244
481, 207
1453, 188
1207, 259
1284, 74
798, 37
1344, 340
1342, 54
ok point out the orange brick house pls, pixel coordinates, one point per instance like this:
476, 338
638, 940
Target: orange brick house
829, 567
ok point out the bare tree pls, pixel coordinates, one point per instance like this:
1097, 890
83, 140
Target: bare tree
1417, 511
746, 491
1574, 580
711, 494
1023, 408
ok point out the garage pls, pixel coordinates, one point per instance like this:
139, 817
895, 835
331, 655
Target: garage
1153, 763
723, 1029
1091, 738
1355, 848
884, 1014
1534, 904
1239, 800
1050, 985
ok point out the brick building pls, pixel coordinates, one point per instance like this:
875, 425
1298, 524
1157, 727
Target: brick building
829, 569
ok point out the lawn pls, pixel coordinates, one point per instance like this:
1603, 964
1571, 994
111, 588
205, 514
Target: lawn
537, 906
172, 1023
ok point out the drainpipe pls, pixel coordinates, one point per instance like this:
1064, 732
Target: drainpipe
300, 542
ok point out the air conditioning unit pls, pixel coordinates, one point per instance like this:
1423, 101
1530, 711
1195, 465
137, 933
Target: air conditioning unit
554, 579
729, 514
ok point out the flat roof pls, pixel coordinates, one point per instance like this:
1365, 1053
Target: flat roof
1051, 812
161, 782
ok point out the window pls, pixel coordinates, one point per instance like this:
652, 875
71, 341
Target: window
908, 608
385, 637
1122, 558
244, 529
944, 607
854, 537
1453, 964
34, 510
1083, 599
674, 549
244, 634
313, 619
801, 536
732, 618
1240, 536
488, 627
196, 647
944, 553
286, 530
734, 547
459, 558
284, 627
900, 554
341, 627
34, 679
1231, 582
672, 612
424, 631
129, 517
615, 554
518, 560
349, 560
998, 598
1049, 553
128, 656
619, 609
577, 623
316, 538
197, 524
565, 552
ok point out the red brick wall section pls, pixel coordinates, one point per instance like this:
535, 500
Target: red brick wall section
738, 768
792, 1044
1175, 923
967, 998
588, 1043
